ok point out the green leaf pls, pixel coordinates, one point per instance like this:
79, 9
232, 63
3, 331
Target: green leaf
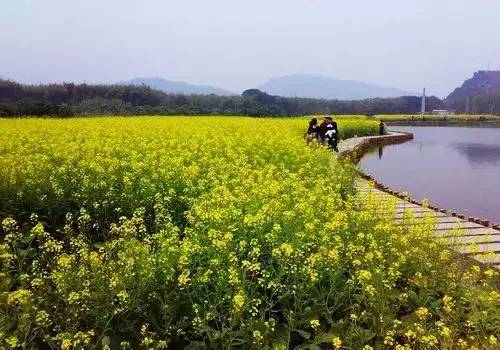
194, 345
303, 334
326, 337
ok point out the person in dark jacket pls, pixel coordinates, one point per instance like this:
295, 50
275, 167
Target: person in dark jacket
332, 134
312, 130
382, 127
322, 130
329, 133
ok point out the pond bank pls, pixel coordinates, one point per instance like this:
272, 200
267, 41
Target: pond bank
477, 239
356, 147
445, 122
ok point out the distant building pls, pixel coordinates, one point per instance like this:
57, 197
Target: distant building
442, 111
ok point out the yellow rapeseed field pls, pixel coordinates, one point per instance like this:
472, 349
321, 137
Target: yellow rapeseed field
216, 232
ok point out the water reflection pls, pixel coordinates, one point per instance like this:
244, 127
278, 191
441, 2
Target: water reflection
455, 167
480, 153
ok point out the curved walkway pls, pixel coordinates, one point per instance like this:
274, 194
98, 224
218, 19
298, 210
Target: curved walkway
469, 236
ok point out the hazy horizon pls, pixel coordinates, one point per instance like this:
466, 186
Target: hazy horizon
235, 46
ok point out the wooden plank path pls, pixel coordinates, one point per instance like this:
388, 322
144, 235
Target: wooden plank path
477, 242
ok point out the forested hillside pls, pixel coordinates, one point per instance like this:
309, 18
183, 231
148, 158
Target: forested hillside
480, 94
70, 99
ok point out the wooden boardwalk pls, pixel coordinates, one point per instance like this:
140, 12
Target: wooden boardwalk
476, 241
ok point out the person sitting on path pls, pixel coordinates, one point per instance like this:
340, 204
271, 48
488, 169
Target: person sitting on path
312, 130
322, 130
328, 132
332, 134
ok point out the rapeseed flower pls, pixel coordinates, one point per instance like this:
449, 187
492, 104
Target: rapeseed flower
19, 297
337, 342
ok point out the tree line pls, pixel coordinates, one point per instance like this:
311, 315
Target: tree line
482, 103
68, 99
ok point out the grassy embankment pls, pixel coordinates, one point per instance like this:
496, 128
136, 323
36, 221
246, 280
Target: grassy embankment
216, 232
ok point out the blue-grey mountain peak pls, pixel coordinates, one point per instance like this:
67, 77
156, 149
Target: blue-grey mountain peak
316, 86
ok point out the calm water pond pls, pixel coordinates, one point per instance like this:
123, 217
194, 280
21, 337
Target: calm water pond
454, 167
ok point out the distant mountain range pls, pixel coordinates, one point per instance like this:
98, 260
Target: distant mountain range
296, 85
178, 87
316, 86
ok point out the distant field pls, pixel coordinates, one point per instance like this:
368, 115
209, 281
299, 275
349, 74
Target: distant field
216, 233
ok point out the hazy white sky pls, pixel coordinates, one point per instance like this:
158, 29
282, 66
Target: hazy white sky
238, 44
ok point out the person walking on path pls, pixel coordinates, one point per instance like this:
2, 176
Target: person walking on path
382, 127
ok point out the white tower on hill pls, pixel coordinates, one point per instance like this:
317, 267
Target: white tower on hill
422, 111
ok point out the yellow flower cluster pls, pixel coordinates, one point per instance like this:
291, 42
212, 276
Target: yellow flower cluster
19, 297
